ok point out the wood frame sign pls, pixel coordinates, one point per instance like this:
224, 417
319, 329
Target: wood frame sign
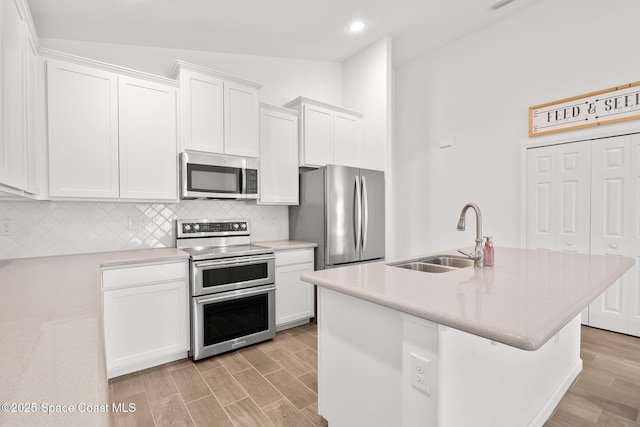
618, 104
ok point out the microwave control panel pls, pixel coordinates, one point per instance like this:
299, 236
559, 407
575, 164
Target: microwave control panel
252, 181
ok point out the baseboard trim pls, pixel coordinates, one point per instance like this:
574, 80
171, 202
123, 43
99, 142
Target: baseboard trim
547, 409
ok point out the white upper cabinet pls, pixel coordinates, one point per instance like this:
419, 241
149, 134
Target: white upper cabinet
13, 135
241, 120
202, 107
31, 107
329, 134
147, 139
110, 135
347, 139
83, 131
219, 113
316, 148
278, 155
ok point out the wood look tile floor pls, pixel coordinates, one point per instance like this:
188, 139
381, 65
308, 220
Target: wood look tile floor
275, 384
607, 391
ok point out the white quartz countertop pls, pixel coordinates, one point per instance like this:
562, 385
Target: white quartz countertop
286, 245
51, 335
522, 301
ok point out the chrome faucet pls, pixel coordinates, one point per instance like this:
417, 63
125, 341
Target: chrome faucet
477, 254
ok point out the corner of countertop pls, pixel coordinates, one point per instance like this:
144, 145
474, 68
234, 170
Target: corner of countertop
138, 256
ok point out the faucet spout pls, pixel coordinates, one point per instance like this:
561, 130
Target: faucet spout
478, 254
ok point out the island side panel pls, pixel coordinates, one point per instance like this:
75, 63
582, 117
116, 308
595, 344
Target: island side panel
359, 361
483, 383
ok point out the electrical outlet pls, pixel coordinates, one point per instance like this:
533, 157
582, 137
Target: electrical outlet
420, 368
7, 227
134, 223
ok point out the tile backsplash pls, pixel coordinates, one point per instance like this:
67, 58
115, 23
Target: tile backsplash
41, 228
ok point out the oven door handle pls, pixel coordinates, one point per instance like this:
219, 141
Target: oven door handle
235, 294
233, 261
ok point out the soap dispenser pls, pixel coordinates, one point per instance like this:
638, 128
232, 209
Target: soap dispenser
488, 252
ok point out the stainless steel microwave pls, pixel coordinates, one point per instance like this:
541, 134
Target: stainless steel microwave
212, 176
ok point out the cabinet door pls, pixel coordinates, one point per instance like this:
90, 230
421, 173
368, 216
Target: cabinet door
241, 120
541, 198
278, 157
633, 306
294, 298
145, 322
317, 147
574, 197
31, 108
346, 139
12, 139
558, 199
147, 129
83, 131
202, 117
611, 225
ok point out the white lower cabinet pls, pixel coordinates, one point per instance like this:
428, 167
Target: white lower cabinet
295, 299
146, 316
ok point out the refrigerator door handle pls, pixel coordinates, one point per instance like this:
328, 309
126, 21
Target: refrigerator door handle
357, 213
365, 214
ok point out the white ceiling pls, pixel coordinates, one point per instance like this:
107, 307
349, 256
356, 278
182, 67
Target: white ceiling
304, 29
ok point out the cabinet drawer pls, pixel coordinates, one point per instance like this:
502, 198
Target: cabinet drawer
142, 274
297, 256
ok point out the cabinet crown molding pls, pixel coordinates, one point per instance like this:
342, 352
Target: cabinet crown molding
179, 65
265, 106
303, 100
54, 54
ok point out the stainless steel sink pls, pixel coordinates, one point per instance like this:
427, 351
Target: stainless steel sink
448, 260
436, 263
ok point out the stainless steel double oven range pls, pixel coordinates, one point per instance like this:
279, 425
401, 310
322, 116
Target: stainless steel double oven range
232, 285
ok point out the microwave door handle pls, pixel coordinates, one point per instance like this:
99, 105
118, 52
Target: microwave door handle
243, 183
365, 213
357, 214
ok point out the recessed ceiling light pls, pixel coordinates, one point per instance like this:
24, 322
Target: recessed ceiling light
357, 26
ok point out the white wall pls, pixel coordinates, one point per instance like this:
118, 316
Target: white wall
476, 93
367, 87
284, 79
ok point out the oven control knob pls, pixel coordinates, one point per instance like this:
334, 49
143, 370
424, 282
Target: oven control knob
236, 226
196, 227
243, 226
187, 227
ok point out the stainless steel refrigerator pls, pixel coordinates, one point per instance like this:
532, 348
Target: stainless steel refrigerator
342, 209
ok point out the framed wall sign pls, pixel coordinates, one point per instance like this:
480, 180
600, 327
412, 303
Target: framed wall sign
618, 104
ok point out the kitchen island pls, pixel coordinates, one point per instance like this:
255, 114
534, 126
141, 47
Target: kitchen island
497, 346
